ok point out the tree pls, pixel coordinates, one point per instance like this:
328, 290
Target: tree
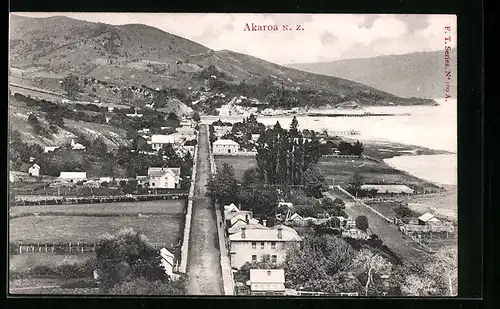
356, 182
71, 86
370, 264
223, 186
418, 286
196, 117
314, 181
252, 176
444, 270
403, 212
262, 200
142, 286
99, 147
127, 94
333, 207
357, 148
362, 223
127, 254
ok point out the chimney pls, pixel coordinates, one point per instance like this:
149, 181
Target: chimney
243, 232
239, 206
264, 222
280, 232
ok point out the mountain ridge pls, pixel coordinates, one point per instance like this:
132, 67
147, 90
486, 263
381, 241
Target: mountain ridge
418, 74
45, 49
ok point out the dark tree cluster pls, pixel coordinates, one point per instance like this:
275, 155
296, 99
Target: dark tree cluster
284, 156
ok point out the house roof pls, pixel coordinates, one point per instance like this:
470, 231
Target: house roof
388, 188
267, 276
242, 216
228, 215
225, 142
296, 216
161, 171
231, 207
35, 166
271, 234
162, 139
251, 226
426, 217
73, 175
141, 177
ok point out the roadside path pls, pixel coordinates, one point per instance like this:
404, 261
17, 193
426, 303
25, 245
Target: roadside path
204, 270
406, 248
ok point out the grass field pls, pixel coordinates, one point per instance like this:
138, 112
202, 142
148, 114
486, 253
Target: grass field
387, 209
26, 261
156, 207
339, 170
47, 229
240, 164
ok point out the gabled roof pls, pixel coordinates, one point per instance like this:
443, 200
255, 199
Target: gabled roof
251, 226
231, 207
35, 166
296, 216
267, 276
241, 216
228, 215
225, 142
288, 234
162, 139
426, 217
161, 171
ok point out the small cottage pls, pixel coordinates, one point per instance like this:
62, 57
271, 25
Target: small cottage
34, 170
267, 281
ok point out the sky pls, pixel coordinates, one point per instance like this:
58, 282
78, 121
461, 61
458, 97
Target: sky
325, 37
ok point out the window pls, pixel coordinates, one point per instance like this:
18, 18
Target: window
262, 245
274, 259
254, 245
273, 245
254, 258
152, 184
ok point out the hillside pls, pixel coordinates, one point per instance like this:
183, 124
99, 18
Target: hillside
409, 75
107, 58
18, 120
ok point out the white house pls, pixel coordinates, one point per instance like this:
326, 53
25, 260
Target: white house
158, 140
231, 207
76, 146
50, 148
224, 146
267, 281
34, 170
185, 133
105, 179
164, 177
73, 176
252, 245
167, 262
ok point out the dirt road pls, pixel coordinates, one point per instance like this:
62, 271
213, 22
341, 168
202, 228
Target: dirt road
204, 270
407, 249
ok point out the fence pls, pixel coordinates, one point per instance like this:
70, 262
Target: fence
239, 154
51, 200
363, 204
69, 247
189, 211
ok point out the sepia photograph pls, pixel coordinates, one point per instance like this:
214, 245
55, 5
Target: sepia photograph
231, 154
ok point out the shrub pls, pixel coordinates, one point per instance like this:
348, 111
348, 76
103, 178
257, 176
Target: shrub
362, 223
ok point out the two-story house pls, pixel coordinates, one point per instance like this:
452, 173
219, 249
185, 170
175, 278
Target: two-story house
252, 245
164, 177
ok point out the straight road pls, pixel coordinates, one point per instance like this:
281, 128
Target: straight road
403, 246
204, 270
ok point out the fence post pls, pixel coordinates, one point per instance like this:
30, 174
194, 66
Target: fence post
20, 249
69, 247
